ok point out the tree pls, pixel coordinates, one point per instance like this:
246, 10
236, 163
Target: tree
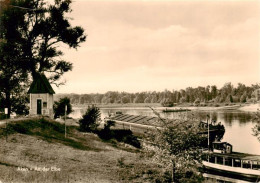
214, 91
12, 76
147, 100
241, 88
229, 99
125, 99
43, 29
197, 102
90, 120
31, 32
139, 98
256, 129
59, 107
243, 98
153, 98
183, 99
20, 102
177, 145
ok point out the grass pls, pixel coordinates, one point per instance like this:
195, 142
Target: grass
50, 131
37, 144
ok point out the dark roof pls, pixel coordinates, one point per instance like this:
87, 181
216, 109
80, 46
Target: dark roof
41, 84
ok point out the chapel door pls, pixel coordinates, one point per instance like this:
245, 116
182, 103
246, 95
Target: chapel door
39, 106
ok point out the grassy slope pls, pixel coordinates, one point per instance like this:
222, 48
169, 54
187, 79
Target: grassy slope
80, 157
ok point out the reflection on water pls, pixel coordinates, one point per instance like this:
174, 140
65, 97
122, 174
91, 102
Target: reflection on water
228, 117
238, 124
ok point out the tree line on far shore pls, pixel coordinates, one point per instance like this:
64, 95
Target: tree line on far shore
200, 95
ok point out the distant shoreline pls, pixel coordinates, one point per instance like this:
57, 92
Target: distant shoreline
120, 105
210, 106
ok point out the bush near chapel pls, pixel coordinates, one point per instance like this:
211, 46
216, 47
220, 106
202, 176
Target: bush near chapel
59, 107
90, 120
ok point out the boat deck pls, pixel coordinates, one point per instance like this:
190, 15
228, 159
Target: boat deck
238, 155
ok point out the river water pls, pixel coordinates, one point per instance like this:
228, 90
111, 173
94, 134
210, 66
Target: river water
238, 124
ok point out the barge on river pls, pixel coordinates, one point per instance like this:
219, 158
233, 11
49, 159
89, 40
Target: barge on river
139, 121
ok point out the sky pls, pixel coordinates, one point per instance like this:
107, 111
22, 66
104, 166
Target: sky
136, 46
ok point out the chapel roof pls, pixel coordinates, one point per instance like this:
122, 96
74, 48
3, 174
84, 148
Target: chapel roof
41, 84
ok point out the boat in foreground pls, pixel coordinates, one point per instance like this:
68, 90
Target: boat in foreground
223, 161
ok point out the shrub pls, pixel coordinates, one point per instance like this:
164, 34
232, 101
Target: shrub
106, 132
109, 124
90, 120
2, 116
132, 140
121, 135
59, 107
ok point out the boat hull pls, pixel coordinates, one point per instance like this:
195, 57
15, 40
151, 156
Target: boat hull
234, 172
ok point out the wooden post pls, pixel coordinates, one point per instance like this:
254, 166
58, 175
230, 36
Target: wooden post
173, 171
232, 162
6, 116
48, 110
65, 121
208, 130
